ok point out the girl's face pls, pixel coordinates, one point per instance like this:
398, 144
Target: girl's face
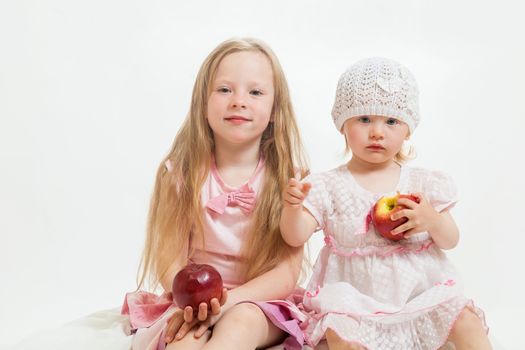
241, 99
375, 139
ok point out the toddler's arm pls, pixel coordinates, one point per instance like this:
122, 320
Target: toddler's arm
297, 224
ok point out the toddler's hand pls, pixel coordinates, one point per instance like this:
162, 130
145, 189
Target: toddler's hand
295, 192
421, 216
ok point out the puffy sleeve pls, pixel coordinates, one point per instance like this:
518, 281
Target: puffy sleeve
441, 190
317, 202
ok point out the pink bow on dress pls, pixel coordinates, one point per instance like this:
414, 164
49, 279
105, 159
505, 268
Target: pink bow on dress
244, 197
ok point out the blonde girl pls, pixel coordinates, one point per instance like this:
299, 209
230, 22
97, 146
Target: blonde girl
217, 200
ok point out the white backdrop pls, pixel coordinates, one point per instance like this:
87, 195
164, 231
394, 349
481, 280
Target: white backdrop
93, 92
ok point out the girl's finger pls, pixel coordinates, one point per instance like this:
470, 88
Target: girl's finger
201, 330
203, 312
306, 187
407, 203
296, 194
215, 306
402, 228
403, 213
188, 314
293, 182
174, 325
184, 329
224, 296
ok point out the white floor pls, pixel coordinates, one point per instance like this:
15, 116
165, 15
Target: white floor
103, 330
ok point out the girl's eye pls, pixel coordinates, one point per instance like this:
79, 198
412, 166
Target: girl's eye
223, 90
256, 92
392, 121
364, 119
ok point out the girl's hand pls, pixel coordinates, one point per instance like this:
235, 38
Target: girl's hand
295, 192
174, 324
421, 217
203, 316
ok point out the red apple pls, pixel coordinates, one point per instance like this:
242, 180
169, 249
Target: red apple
195, 284
383, 210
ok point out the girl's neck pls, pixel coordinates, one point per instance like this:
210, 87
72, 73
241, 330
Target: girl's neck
375, 178
236, 163
356, 165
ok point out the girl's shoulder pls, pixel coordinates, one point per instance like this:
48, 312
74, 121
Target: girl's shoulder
437, 185
428, 176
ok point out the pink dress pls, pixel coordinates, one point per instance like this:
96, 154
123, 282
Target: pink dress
226, 220
373, 291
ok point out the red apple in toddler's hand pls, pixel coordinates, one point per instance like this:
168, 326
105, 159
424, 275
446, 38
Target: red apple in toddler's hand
195, 284
383, 210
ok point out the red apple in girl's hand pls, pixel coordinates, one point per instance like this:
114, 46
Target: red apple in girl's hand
383, 210
195, 284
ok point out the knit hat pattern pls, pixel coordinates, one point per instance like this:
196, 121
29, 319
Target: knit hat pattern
377, 86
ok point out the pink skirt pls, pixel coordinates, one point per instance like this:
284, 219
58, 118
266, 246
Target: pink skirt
149, 315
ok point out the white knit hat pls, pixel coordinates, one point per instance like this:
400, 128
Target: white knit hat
377, 86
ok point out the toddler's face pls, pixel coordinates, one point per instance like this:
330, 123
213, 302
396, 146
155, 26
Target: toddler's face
375, 139
241, 99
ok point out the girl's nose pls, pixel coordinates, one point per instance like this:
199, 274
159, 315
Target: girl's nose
376, 131
238, 101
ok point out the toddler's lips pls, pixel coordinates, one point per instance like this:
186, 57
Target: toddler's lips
375, 148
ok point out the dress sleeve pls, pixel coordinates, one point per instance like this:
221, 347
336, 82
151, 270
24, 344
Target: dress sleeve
317, 201
441, 190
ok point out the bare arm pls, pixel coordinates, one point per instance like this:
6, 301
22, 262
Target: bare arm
297, 224
445, 232
277, 283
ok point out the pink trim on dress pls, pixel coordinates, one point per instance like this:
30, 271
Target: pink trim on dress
375, 250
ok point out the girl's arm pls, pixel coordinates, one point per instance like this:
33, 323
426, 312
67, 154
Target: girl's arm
444, 231
297, 224
423, 217
277, 283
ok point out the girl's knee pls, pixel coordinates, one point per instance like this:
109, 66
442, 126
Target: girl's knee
467, 322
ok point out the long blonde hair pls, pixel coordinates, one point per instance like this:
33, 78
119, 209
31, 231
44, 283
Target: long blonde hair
176, 211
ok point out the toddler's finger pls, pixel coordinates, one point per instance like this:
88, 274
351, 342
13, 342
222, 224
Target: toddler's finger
403, 213
306, 187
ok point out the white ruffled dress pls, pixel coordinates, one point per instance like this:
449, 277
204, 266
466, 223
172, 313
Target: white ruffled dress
372, 291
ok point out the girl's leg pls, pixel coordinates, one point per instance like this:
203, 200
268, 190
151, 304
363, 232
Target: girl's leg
336, 343
468, 332
244, 326
189, 342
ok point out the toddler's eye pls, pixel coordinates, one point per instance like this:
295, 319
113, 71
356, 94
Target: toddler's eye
364, 119
392, 121
223, 90
256, 92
